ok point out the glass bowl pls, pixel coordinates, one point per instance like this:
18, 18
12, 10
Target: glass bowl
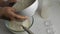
7, 22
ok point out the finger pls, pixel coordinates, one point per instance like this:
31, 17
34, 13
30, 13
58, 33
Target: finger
11, 12
21, 17
18, 16
11, 9
12, 18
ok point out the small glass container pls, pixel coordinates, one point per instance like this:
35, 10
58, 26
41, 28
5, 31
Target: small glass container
31, 21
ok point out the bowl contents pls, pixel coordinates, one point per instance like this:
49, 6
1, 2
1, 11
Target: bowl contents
14, 25
22, 4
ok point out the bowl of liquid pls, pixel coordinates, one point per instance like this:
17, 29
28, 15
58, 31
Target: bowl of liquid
14, 26
26, 7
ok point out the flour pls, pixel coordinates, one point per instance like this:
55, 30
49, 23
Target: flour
22, 4
14, 25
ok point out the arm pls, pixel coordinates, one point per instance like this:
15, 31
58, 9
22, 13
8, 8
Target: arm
3, 3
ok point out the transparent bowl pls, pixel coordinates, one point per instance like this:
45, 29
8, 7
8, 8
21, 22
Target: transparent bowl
7, 22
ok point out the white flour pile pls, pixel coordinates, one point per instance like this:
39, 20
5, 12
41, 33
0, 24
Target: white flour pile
13, 25
22, 4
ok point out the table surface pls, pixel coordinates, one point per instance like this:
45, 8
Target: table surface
38, 26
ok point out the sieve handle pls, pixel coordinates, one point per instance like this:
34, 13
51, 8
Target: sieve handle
27, 30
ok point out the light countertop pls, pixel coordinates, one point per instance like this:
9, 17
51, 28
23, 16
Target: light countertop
38, 26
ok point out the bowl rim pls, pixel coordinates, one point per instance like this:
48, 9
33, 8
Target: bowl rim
22, 30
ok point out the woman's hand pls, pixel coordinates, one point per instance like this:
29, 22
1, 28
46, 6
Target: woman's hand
10, 12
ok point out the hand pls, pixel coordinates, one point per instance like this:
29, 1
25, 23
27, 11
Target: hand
10, 12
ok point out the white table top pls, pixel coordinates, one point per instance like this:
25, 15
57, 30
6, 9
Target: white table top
38, 26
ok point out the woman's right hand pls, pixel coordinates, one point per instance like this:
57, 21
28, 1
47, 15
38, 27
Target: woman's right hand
10, 13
